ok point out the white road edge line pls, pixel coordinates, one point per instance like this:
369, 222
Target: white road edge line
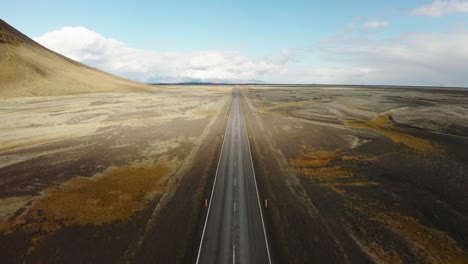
256, 188
214, 184
234, 254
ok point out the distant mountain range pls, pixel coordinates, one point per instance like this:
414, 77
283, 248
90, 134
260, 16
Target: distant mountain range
197, 81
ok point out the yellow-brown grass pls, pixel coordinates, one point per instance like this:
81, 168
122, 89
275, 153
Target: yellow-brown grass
377, 253
9, 39
380, 125
4, 225
314, 158
324, 173
434, 245
112, 196
319, 165
358, 157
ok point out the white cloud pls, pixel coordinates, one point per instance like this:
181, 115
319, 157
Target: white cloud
114, 56
376, 24
351, 57
416, 59
440, 8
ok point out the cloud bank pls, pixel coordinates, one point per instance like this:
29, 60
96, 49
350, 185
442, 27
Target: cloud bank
414, 59
347, 58
440, 8
111, 55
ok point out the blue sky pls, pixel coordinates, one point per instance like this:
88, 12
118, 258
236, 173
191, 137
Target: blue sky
185, 25
289, 33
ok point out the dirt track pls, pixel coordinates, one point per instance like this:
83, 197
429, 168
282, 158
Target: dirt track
362, 175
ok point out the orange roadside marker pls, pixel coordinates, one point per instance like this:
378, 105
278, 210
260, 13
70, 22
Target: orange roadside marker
206, 202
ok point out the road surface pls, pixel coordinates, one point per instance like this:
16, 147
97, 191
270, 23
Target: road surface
234, 231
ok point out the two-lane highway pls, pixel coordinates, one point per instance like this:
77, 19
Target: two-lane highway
234, 231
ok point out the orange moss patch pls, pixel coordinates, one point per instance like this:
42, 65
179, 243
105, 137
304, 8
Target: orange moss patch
324, 173
319, 165
381, 120
358, 183
428, 243
112, 196
380, 125
358, 157
434, 245
4, 226
313, 159
377, 253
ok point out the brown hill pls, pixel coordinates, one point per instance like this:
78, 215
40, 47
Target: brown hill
29, 69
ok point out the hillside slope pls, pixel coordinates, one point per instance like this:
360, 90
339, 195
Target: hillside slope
29, 69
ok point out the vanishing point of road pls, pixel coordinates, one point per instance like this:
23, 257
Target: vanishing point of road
234, 231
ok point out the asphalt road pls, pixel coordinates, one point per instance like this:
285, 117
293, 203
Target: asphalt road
234, 231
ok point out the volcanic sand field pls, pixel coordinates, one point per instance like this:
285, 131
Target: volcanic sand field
115, 177
355, 175
351, 175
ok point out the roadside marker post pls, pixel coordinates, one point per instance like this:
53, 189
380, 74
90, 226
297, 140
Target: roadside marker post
266, 203
206, 203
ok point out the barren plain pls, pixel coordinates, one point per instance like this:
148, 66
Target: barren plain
350, 174
110, 177
361, 174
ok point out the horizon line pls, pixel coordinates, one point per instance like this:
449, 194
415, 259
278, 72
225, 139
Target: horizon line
313, 85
